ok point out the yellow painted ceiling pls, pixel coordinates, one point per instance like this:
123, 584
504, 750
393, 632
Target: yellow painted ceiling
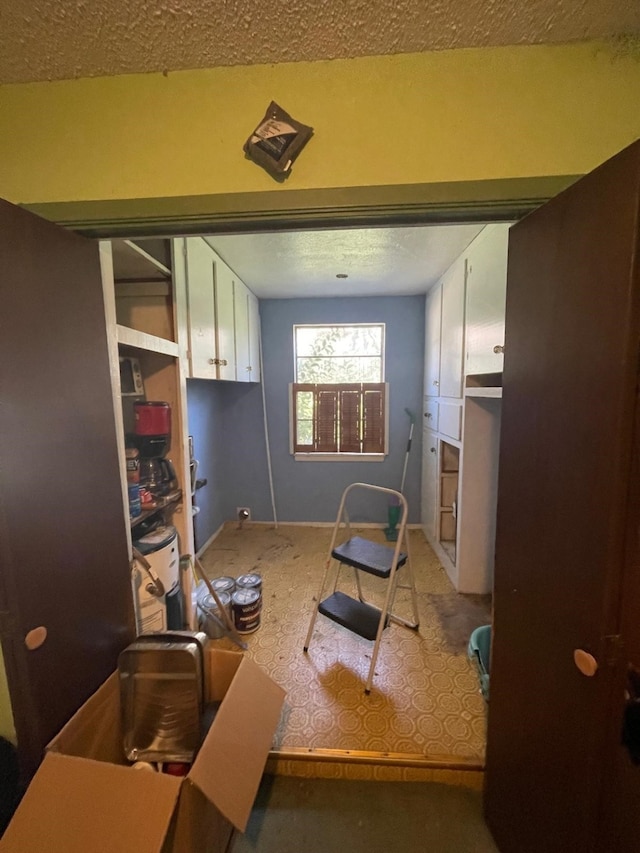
64, 39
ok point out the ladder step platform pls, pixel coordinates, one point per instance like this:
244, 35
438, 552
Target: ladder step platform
356, 616
367, 556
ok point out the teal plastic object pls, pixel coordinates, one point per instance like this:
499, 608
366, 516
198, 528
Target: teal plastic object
479, 651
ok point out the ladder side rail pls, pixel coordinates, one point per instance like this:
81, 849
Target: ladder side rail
411, 586
314, 614
381, 624
390, 589
356, 574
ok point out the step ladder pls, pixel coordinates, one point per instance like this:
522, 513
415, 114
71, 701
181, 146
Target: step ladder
364, 555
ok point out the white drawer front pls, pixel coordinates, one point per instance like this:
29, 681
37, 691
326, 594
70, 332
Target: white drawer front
450, 420
430, 419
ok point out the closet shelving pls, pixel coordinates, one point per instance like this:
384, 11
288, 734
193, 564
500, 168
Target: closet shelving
146, 326
483, 385
449, 475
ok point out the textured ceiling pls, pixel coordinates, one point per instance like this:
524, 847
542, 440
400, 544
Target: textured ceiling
378, 261
61, 39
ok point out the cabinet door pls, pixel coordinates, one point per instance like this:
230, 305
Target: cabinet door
486, 294
225, 324
211, 313
452, 334
433, 318
254, 336
65, 581
200, 275
429, 483
241, 302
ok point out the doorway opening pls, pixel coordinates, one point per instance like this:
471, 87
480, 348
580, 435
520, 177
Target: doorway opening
445, 725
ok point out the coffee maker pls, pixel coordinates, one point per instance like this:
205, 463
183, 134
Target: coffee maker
152, 438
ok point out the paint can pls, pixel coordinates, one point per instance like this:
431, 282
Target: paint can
250, 581
210, 619
224, 584
246, 605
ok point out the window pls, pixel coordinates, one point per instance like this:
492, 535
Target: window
338, 400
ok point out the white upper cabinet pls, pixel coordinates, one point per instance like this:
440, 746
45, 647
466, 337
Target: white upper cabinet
433, 319
247, 321
211, 313
223, 318
243, 359
452, 334
486, 295
203, 351
254, 336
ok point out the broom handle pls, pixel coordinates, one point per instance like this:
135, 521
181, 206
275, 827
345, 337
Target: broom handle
233, 634
406, 458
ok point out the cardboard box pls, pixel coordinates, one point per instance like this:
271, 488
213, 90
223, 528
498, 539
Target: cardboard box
85, 796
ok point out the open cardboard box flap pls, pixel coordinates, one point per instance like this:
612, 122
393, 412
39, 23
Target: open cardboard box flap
230, 763
75, 804
84, 797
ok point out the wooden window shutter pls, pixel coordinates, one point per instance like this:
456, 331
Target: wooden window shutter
373, 395
350, 414
346, 418
326, 419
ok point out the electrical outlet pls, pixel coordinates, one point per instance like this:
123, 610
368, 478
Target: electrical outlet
243, 513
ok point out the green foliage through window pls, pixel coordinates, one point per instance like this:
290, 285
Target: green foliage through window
339, 354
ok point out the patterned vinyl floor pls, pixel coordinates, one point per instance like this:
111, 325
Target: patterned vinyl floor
425, 707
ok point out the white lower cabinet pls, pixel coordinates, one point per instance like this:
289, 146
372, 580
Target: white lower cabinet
450, 419
429, 483
464, 346
477, 494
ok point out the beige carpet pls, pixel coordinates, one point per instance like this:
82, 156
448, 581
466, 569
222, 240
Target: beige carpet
425, 705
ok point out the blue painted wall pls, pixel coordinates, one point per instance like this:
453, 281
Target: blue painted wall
226, 420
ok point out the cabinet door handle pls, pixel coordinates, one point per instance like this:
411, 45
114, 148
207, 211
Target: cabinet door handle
432, 449
436, 383
498, 349
428, 415
211, 361
222, 362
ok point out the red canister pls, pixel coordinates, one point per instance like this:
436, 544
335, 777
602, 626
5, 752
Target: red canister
152, 418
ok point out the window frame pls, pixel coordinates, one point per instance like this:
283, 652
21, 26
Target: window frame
346, 388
